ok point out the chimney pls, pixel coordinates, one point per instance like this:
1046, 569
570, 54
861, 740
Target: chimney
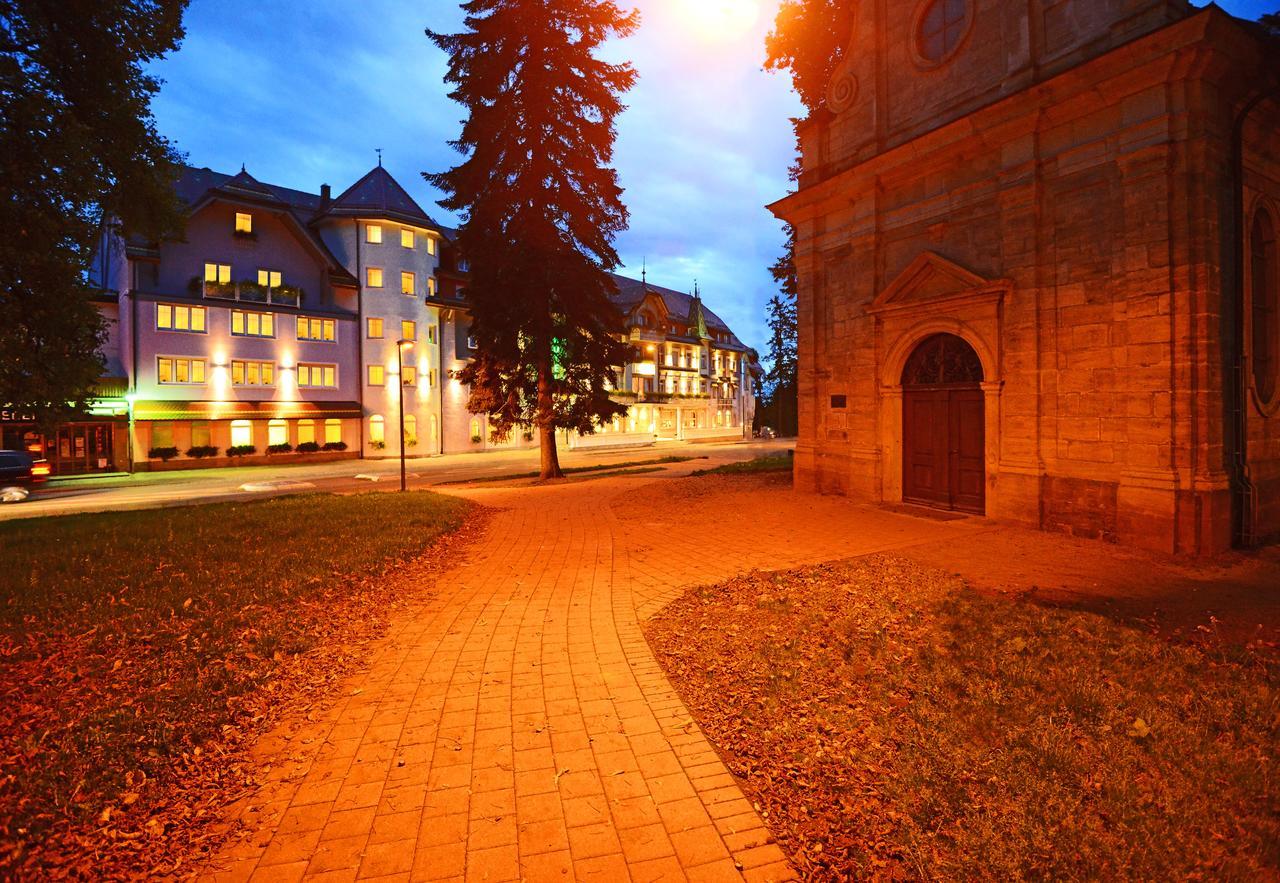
326, 196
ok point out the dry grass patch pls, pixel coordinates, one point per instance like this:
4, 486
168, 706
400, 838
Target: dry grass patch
890, 722
140, 652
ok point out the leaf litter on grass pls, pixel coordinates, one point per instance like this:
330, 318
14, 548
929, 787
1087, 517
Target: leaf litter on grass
889, 722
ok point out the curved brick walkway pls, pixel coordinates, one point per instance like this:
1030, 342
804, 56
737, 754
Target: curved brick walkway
517, 727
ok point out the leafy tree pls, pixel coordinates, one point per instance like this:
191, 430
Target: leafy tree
540, 209
809, 39
80, 150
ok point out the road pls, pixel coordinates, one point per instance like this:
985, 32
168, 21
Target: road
146, 490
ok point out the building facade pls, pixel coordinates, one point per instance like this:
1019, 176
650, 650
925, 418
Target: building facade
285, 326
1037, 268
692, 379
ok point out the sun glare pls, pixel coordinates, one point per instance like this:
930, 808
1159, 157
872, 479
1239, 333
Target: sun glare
721, 20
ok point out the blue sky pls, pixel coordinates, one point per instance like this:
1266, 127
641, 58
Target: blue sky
303, 93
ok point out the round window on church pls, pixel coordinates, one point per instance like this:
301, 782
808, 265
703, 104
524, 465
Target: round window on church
940, 27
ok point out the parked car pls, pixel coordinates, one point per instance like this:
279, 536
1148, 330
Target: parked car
766, 432
19, 474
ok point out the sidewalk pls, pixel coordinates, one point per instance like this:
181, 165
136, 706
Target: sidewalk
516, 725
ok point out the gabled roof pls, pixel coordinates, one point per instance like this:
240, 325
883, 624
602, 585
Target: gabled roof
631, 292
197, 187
378, 195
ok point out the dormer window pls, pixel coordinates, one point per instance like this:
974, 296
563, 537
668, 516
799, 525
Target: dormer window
373, 233
244, 223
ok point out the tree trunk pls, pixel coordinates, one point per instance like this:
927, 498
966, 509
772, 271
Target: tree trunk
546, 425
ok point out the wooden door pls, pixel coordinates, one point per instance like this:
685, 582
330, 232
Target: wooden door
967, 440
944, 426
925, 447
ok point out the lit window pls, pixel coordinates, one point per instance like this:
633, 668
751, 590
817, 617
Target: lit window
377, 375
306, 432
374, 327
475, 430
377, 430
310, 328
1264, 312
171, 317
269, 278
431, 287
406, 238
175, 370
332, 431
217, 273
201, 434
244, 324
244, 222
409, 375
407, 283
373, 233
431, 333
246, 372
317, 376
431, 377
431, 245
410, 429
241, 433
472, 343
373, 277
408, 330
277, 432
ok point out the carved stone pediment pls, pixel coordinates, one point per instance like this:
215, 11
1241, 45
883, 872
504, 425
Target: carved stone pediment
931, 279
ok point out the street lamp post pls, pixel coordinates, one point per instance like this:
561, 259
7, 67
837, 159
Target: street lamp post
401, 346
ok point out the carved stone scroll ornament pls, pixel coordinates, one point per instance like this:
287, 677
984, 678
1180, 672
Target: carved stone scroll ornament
842, 91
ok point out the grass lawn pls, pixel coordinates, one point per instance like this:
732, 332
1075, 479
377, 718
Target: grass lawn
767, 463
137, 648
891, 722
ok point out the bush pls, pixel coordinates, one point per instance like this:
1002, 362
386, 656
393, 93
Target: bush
309, 447
378, 445
241, 451
527, 436
335, 446
410, 442
202, 451
475, 439
165, 454
285, 448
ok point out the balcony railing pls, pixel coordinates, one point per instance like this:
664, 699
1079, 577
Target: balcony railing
248, 292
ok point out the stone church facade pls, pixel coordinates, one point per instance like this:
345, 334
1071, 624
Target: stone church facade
1038, 277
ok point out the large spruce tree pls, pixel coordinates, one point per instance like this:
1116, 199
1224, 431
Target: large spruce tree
540, 208
78, 148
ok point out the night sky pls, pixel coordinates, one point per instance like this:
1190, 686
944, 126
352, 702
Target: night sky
301, 94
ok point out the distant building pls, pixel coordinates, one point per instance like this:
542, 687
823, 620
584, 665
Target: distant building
1038, 273
270, 330
692, 379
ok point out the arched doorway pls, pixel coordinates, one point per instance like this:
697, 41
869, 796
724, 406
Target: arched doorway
943, 426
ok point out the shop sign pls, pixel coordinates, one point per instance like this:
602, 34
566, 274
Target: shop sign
10, 415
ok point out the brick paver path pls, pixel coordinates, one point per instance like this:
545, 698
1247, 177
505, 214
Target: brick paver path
517, 727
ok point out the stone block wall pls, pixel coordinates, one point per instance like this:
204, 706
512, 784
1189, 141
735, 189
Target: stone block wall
1072, 232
